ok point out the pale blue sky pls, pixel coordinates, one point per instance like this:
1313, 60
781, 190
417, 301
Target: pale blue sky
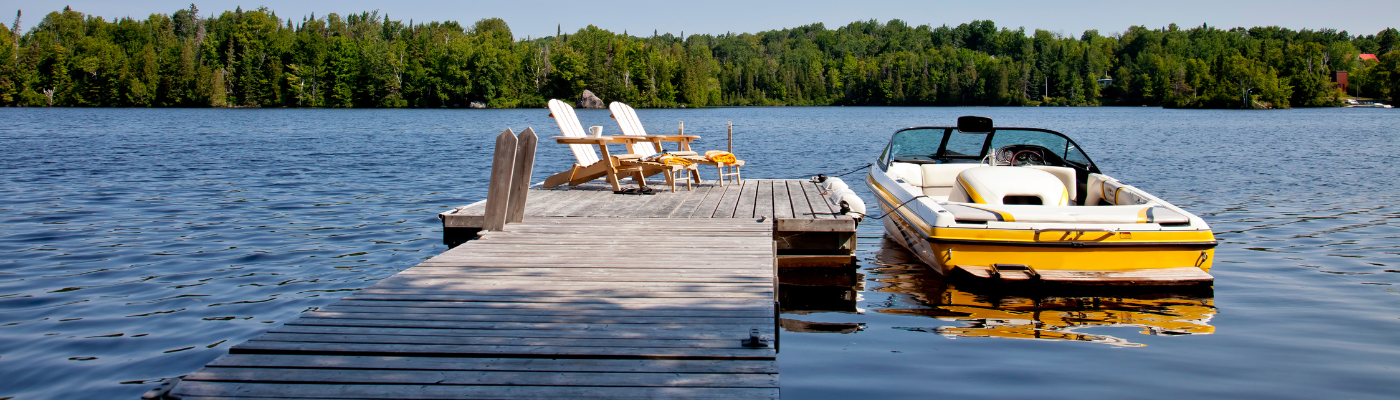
639, 17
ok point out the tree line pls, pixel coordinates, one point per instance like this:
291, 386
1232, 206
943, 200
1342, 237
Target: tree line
254, 58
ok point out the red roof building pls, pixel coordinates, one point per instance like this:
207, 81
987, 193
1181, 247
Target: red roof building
1371, 57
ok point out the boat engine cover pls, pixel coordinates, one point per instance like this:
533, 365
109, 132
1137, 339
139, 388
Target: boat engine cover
990, 185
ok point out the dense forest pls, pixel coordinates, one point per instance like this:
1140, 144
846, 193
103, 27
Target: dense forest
254, 58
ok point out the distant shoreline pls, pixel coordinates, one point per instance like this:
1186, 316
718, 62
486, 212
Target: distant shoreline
254, 58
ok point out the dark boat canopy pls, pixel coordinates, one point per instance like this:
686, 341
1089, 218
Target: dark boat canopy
976, 137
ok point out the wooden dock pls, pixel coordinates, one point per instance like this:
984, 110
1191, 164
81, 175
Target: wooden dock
572, 293
807, 229
553, 307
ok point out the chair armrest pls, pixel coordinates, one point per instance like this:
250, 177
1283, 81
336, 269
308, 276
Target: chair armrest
584, 140
673, 138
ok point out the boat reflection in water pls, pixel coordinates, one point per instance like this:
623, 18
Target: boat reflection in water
987, 311
1044, 315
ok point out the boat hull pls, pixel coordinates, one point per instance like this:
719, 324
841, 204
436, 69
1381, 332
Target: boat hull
1154, 258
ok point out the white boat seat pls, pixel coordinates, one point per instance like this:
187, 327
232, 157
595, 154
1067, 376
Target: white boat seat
1135, 214
1113, 192
939, 179
934, 180
998, 185
1066, 175
910, 173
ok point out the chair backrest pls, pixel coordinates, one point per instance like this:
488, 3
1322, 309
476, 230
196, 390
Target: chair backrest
563, 114
632, 126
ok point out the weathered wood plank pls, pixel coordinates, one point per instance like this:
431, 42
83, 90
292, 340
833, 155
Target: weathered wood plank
687, 207
740, 328
763, 200
821, 209
560, 200
284, 390
642, 309
707, 208
610, 294
520, 176
498, 188
747, 199
586, 207
551, 298
732, 342
510, 378
497, 364
590, 273
338, 308
729, 202
782, 202
673, 334
560, 319
410, 281
801, 209
738, 353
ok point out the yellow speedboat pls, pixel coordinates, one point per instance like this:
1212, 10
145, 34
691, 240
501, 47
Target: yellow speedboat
1026, 204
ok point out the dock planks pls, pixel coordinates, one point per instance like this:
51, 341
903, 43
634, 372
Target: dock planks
550, 308
754, 198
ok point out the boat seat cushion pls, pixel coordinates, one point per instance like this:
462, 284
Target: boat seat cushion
939, 179
910, 173
935, 180
993, 185
1066, 176
1113, 192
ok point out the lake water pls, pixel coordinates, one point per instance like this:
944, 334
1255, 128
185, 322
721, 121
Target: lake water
139, 244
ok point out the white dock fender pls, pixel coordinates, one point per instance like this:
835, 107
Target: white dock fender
833, 185
837, 192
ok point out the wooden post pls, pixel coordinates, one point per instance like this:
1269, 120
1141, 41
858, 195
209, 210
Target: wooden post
520, 178
498, 190
731, 137
728, 169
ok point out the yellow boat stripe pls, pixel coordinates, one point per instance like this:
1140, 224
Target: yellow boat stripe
1143, 216
893, 201
1001, 215
1064, 198
973, 193
1192, 237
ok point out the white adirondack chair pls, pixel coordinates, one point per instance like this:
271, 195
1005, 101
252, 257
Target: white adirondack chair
590, 165
627, 120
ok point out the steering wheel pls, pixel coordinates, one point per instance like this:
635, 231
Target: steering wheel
1027, 157
1019, 155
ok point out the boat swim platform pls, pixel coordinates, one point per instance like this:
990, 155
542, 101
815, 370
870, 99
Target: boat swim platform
808, 230
550, 307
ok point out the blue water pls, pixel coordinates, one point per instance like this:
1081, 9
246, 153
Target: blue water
138, 245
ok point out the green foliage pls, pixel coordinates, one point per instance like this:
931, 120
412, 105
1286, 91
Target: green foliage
256, 59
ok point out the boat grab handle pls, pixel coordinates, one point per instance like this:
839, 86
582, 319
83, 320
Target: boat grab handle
996, 270
1076, 230
1081, 232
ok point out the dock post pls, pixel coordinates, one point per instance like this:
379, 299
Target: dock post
731, 137
520, 178
498, 191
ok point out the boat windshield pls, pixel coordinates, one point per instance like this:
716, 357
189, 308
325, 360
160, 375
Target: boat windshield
948, 145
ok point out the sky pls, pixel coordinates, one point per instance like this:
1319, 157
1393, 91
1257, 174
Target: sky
639, 17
